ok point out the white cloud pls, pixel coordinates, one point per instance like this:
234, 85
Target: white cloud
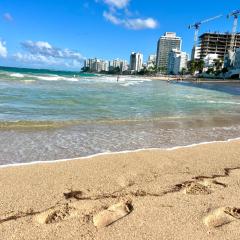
43, 53
117, 3
36, 58
3, 49
119, 14
139, 23
46, 49
131, 23
113, 19
8, 17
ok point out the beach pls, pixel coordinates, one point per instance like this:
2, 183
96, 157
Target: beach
139, 158
173, 194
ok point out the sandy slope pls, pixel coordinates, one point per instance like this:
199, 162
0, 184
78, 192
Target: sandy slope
173, 195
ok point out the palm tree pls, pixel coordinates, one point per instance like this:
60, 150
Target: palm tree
183, 71
192, 66
200, 66
224, 71
218, 63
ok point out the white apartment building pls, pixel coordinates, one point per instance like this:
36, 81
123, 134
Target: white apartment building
124, 65
177, 61
105, 66
151, 63
165, 45
118, 63
196, 53
96, 65
136, 62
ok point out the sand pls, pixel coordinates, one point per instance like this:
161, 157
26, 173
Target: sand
187, 193
191, 79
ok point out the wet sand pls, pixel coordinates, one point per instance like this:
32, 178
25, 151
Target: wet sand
186, 193
192, 79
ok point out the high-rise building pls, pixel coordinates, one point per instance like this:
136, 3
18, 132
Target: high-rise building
165, 45
105, 66
151, 63
118, 63
124, 65
195, 53
96, 65
136, 61
177, 61
217, 43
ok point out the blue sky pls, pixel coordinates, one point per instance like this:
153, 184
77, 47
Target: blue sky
59, 34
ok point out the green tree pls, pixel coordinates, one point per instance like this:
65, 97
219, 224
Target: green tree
115, 70
224, 71
192, 66
200, 65
195, 65
162, 70
210, 71
183, 71
218, 64
85, 69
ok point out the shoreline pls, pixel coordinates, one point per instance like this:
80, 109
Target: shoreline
192, 79
144, 194
115, 153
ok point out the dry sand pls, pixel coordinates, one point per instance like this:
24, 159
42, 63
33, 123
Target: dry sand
188, 193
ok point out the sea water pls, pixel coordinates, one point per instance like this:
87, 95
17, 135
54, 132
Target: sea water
49, 115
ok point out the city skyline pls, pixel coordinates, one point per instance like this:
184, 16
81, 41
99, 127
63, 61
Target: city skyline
60, 35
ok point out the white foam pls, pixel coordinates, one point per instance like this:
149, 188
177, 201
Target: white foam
124, 81
113, 153
17, 75
55, 78
223, 102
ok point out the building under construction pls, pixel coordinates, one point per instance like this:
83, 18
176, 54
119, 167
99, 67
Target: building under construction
217, 43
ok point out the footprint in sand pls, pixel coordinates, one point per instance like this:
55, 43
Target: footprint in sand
222, 216
203, 187
196, 188
112, 214
56, 215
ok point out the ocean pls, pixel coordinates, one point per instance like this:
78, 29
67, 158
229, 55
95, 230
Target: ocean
49, 115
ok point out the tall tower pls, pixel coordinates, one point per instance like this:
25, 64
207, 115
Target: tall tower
136, 61
165, 45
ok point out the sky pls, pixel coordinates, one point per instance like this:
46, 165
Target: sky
60, 34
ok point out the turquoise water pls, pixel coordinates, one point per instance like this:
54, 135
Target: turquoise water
51, 97
68, 114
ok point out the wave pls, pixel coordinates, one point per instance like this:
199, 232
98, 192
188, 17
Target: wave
114, 153
55, 78
223, 102
16, 75
124, 81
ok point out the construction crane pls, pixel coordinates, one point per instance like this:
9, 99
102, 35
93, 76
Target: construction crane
197, 25
235, 14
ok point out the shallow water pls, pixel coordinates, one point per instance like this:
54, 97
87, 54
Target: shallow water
52, 115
